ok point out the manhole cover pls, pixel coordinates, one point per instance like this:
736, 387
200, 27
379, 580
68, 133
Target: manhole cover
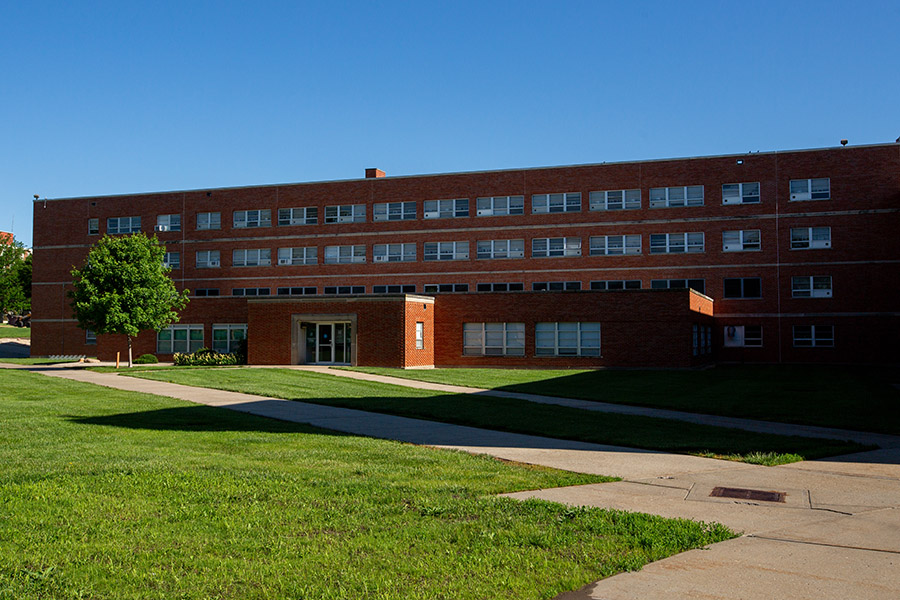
743, 494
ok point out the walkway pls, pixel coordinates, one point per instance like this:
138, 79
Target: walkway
836, 535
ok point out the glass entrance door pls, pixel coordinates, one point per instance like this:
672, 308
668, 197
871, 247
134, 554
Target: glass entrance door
324, 343
328, 343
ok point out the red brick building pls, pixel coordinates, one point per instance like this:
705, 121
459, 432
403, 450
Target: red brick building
789, 257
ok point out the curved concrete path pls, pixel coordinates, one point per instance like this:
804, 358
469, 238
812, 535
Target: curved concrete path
836, 535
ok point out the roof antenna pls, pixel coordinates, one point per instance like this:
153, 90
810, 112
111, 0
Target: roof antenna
843, 142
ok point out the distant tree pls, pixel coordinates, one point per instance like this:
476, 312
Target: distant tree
124, 288
13, 297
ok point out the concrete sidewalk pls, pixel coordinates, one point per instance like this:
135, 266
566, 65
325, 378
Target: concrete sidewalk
835, 535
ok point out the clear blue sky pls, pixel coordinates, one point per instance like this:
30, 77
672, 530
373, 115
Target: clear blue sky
103, 98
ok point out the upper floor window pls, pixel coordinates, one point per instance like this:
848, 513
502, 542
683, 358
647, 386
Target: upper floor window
501, 249
209, 220
394, 289
616, 284
344, 289
691, 195
207, 259
255, 257
345, 254
252, 218
810, 237
678, 284
813, 336
306, 215
494, 339
394, 252
741, 240
172, 260
811, 189
500, 287
297, 291
307, 255
250, 291
445, 288
556, 286
93, 226
616, 200
612, 245
168, 223
817, 286
446, 251
567, 339
500, 205
742, 287
556, 203
346, 213
204, 292
545, 247
394, 211
446, 209
122, 225
740, 193
676, 243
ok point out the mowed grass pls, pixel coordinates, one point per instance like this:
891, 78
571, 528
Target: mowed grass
119, 495
846, 397
506, 414
8, 331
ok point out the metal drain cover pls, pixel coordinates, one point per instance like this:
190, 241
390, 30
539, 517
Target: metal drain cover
744, 494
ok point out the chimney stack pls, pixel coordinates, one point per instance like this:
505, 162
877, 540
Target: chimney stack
372, 173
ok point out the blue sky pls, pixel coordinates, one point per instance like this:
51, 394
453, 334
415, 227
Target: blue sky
102, 98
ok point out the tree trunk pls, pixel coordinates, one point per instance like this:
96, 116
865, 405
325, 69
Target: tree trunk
129, 352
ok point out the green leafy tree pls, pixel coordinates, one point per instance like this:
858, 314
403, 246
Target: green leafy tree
124, 288
13, 295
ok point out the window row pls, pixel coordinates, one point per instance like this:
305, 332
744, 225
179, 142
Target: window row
226, 338
803, 336
550, 339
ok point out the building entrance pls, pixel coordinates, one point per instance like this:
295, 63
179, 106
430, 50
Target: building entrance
327, 343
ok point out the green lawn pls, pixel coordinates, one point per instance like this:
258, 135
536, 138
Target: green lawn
8, 331
111, 494
860, 398
509, 415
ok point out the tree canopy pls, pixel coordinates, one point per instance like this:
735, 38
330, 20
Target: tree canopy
124, 288
15, 283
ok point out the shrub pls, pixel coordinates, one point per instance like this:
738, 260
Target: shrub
146, 359
206, 357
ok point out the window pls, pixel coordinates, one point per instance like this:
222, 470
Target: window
93, 226
394, 289
446, 209
445, 288
494, 339
691, 195
615, 245
207, 259
746, 336
500, 287
345, 289
179, 338
307, 215
172, 260
501, 248
250, 291
675, 284
676, 243
297, 291
123, 225
616, 284
209, 220
556, 286
500, 205
810, 189
742, 287
740, 193
346, 213
168, 223
204, 292
446, 251
741, 240
811, 287
307, 255
420, 335
344, 254
556, 203
804, 238
567, 339
228, 338
394, 252
245, 219
90, 338
255, 257
394, 211
702, 339
813, 336
546, 247
616, 200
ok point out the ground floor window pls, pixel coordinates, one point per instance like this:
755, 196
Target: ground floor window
420, 335
90, 338
702, 340
494, 339
813, 336
748, 336
567, 339
179, 338
227, 338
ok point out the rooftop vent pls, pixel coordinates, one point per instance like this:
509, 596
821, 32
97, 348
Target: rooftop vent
372, 173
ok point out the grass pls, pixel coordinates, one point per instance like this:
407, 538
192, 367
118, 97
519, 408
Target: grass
8, 331
859, 398
113, 494
510, 415
34, 361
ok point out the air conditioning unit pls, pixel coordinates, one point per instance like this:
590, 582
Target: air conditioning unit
284, 261
162, 227
731, 200
485, 212
380, 258
432, 214
213, 263
265, 262
821, 293
729, 248
801, 196
820, 244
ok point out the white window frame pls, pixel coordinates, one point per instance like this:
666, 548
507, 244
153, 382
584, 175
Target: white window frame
420, 335
501, 286
445, 288
547, 332
172, 260
234, 334
494, 339
812, 286
405, 252
556, 286
810, 238
394, 288
345, 213
615, 245
90, 338
499, 249
445, 251
208, 259
349, 289
497, 206
209, 220
741, 240
742, 336
615, 200
456, 208
192, 342
556, 203
677, 243
300, 291
677, 196
168, 222
94, 226
252, 219
249, 292
605, 285
555, 247
394, 211
813, 336
810, 189
251, 257
343, 255
123, 225
304, 215
301, 255
741, 193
